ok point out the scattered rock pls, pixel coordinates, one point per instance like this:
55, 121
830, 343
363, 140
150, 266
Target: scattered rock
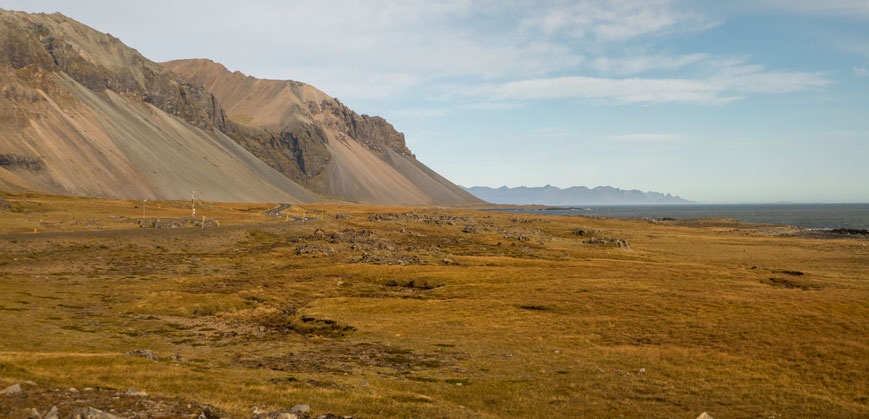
470, 229
177, 358
52, 414
300, 408
13, 389
277, 414
448, 261
704, 415
381, 259
620, 243
32, 413
314, 249
91, 413
136, 393
144, 353
850, 231
72, 390
641, 371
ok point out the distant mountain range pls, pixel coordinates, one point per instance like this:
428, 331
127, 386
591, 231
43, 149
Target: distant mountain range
576, 195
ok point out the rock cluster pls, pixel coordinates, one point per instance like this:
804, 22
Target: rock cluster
620, 243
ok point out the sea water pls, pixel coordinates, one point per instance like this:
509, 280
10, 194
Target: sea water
812, 216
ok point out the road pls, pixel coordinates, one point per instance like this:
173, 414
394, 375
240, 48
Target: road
281, 208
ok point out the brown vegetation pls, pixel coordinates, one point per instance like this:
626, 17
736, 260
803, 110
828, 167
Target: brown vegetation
517, 318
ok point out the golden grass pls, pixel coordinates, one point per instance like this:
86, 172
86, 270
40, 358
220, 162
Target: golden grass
734, 319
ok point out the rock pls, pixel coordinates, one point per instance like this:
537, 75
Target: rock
177, 357
208, 413
470, 229
300, 408
448, 261
72, 390
13, 389
91, 413
28, 383
704, 415
277, 414
52, 414
32, 413
641, 371
136, 393
144, 353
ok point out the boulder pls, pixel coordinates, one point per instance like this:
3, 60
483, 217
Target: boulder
144, 353
136, 393
52, 414
13, 389
300, 408
91, 413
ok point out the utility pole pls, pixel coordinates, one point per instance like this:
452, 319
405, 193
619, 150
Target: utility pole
193, 203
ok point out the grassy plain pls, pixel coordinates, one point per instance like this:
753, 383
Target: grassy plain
440, 313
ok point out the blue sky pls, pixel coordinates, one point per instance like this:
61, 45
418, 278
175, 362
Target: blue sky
737, 101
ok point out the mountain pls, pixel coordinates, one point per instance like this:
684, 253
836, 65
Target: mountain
83, 114
577, 195
317, 141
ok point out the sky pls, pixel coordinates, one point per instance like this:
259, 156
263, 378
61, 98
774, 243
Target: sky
716, 101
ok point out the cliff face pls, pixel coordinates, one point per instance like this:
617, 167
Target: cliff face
101, 62
83, 114
318, 141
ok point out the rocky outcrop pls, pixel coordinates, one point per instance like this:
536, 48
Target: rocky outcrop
83, 114
55, 43
318, 141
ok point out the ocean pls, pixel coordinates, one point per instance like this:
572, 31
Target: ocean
811, 216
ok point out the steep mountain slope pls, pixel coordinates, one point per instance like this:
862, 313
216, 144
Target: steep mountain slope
321, 143
83, 114
577, 195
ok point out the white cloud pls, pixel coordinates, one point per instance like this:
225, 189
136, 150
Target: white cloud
861, 72
633, 90
646, 138
439, 50
602, 20
644, 63
846, 8
728, 85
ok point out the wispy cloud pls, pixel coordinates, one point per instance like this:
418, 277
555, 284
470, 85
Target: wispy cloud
644, 63
847, 8
726, 86
861, 72
606, 21
646, 138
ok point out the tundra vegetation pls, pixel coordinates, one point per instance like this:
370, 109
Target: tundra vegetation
427, 312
